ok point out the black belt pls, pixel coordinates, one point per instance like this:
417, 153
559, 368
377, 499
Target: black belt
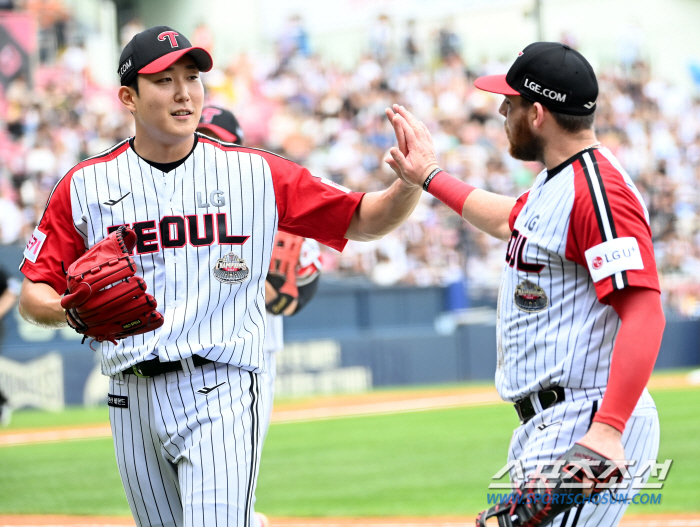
153, 367
547, 398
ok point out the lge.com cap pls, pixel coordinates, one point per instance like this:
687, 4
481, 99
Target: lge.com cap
156, 49
550, 73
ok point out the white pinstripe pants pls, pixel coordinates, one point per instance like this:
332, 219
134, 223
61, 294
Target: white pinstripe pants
189, 459
564, 424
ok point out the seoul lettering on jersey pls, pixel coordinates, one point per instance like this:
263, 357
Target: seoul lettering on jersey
514, 254
172, 233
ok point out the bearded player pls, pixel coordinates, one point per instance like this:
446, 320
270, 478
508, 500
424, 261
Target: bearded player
579, 311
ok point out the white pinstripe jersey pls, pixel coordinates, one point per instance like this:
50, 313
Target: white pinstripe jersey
223, 199
581, 232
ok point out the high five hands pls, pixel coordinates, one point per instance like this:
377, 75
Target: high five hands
414, 158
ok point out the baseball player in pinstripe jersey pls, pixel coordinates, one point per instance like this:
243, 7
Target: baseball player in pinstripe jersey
221, 124
185, 399
579, 313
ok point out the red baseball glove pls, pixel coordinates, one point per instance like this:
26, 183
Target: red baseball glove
105, 298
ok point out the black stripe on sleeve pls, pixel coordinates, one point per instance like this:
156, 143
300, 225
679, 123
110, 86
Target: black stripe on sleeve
596, 207
608, 210
606, 202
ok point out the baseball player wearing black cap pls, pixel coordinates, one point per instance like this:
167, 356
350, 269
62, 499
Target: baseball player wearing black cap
579, 312
185, 399
221, 124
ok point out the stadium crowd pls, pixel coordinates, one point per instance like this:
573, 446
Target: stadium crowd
330, 119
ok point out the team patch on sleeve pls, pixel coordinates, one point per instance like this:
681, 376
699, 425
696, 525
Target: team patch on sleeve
31, 251
615, 256
334, 185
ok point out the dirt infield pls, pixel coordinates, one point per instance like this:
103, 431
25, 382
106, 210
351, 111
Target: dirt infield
652, 520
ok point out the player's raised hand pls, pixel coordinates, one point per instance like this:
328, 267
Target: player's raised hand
415, 155
402, 146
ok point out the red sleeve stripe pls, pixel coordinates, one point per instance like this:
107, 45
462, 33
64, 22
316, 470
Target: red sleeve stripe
601, 205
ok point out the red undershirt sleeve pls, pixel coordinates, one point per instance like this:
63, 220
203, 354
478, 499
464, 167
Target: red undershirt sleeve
634, 355
609, 235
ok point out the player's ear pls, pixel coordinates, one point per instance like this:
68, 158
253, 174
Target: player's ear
537, 115
126, 96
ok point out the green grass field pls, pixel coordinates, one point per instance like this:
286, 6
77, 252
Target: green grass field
411, 464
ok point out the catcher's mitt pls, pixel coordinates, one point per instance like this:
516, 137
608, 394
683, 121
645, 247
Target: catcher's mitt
282, 273
540, 500
105, 300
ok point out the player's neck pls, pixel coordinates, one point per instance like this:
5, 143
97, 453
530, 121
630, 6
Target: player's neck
162, 151
566, 146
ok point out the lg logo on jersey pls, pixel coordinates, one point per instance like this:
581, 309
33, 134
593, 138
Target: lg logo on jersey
173, 232
532, 223
216, 197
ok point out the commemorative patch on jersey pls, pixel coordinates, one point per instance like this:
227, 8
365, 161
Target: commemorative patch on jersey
530, 297
615, 256
231, 269
31, 251
117, 401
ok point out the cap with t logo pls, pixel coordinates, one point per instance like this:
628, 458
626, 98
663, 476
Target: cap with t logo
222, 123
550, 73
156, 49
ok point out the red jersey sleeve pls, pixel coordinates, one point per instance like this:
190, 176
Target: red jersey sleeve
519, 204
309, 206
55, 241
609, 232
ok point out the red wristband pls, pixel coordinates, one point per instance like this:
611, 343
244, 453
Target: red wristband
450, 190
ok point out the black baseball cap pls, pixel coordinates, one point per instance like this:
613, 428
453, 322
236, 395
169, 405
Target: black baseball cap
550, 73
221, 122
156, 49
